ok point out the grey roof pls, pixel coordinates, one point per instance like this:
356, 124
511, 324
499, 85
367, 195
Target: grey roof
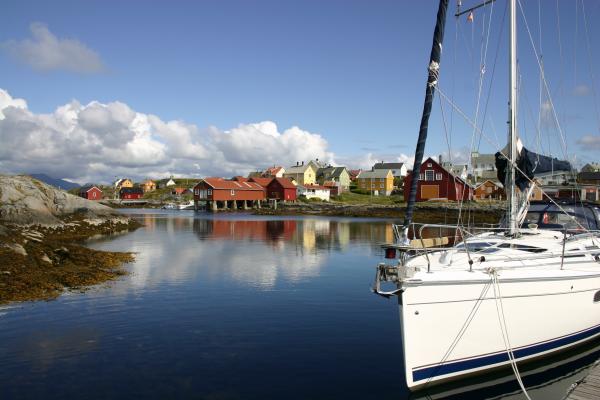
297, 169
483, 158
388, 165
331, 172
378, 173
592, 176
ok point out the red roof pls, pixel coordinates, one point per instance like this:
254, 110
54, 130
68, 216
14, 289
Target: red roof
220, 183
264, 182
317, 187
273, 171
285, 183
239, 179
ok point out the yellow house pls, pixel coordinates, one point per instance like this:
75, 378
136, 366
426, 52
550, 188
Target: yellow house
123, 183
149, 186
379, 181
302, 174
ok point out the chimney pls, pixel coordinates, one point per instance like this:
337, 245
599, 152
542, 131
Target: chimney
302, 162
440, 159
297, 163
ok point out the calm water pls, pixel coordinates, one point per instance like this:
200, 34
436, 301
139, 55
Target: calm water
229, 307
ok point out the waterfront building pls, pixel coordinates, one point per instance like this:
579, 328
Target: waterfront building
314, 191
398, 169
377, 182
90, 192
435, 182
131, 193
282, 189
302, 174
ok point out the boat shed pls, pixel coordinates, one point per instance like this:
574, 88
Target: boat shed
282, 189
221, 193
90, 192
131, 193
435, 182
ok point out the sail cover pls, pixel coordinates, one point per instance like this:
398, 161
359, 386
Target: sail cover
529, 164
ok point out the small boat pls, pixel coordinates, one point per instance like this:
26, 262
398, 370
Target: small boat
186, 206
169, 206
526, 288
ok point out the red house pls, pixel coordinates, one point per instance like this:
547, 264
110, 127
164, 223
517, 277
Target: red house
131, 193
435, 182
282, 189
90, 193
228, 193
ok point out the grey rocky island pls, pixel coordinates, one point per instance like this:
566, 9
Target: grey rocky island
41, 234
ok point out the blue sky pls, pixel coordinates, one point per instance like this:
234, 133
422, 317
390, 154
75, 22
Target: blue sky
351, 72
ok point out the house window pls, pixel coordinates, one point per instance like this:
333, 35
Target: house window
429, 174
429, 165
233, 192
197, 192
209, 192
421, 176
438, 176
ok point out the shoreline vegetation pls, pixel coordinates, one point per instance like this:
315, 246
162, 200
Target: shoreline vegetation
426, 212
42, 234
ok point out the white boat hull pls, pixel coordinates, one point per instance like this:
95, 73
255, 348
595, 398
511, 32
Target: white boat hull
453, 329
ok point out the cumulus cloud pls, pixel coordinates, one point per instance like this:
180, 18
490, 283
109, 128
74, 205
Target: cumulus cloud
45, 52
589, 142
97, 142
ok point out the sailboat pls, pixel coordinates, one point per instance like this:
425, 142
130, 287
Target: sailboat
524, 289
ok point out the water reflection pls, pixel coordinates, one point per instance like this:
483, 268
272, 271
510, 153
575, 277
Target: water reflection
549, 378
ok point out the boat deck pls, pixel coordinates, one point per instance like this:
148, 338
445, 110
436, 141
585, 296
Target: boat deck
588, 388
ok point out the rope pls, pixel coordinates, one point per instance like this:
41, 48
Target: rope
462, 114
504, 329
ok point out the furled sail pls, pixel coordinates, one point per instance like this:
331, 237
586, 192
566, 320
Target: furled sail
529, 164
432, 80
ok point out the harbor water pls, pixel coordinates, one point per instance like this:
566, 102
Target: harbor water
234, 306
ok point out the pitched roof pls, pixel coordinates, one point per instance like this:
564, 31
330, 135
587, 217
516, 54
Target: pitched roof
330, 172
589, 176
388, 165
285, 183
87, 188
497, 184
239, 179
264, 182
220, 183
273, 170
132, 190
315, 187
297, 169
378, 173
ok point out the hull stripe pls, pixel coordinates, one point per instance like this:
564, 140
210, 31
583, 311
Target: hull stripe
497, 358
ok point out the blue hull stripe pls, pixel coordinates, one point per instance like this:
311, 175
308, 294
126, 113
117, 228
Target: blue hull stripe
489, 360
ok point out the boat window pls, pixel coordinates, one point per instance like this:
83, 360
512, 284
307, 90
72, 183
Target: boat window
478, 247
597, 296
522, 247
551, 219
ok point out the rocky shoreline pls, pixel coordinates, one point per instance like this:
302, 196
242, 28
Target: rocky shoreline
42, 230
433, 212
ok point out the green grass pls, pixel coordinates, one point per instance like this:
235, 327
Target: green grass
356, 198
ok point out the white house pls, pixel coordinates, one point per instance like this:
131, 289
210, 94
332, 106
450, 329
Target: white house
314, 191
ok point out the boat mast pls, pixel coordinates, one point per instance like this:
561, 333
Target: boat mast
512, 123
432, 80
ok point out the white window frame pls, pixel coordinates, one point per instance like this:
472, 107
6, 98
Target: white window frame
209, 192
233, 192
438, 176
429, 175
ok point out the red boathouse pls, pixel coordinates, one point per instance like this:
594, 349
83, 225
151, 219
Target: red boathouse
282, 189
222, 193
435, 182
90, 193
131, 193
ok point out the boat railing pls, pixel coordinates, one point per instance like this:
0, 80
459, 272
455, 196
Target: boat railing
463, 233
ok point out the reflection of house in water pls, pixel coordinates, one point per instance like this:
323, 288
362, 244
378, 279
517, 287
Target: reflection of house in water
261, 230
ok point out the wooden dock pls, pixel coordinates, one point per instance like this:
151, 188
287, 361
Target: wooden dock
589, 387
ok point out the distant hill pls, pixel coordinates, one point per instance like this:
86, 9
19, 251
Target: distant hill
59, 183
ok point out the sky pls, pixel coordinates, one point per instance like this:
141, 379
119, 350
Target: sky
94, 90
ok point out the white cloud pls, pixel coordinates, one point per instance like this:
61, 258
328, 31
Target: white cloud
45, 52
589, 142
96, 142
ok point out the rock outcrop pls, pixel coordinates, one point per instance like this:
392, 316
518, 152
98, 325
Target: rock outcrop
24, 200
